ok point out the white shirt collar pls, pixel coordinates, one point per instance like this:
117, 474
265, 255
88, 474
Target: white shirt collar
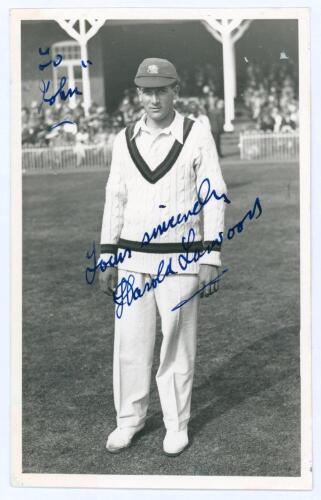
176, 127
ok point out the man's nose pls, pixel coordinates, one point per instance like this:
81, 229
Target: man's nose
155, 98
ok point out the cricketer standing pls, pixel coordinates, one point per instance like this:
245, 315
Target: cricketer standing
158, 166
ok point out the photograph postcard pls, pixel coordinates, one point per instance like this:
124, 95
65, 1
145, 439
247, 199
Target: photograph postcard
160, 248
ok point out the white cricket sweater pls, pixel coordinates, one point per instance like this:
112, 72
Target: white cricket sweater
139, 197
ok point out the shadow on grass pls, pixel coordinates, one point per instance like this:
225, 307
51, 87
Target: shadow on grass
258, 367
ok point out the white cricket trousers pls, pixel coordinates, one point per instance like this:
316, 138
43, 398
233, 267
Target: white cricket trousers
134, 347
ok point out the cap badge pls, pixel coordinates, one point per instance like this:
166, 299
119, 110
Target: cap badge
153, 69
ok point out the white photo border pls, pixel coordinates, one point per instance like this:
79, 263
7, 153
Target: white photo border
18, 478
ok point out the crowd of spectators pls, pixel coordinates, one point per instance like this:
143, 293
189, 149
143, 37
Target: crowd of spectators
39, 125
98, 129
270, 94
99, 126
200, 81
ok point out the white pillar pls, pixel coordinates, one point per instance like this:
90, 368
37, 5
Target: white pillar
234, 70
82, 36
85, 71
228, 32
229, 76
71, 84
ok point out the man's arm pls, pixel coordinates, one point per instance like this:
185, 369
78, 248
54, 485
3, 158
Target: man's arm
113, 218
208, 167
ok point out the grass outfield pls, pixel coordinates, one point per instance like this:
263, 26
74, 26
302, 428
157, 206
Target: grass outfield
246, 398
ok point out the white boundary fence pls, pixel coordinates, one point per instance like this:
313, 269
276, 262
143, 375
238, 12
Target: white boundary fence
66, 157
253, 146
269, 146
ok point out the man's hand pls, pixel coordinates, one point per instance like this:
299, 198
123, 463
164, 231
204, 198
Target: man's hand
108, 280
208, 273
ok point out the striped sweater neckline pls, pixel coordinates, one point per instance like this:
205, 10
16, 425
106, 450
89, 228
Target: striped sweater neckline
165, 166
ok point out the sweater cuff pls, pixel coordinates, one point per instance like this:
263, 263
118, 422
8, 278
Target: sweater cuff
211, 259
108, 253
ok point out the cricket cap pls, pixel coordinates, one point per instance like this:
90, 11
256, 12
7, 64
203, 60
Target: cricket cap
154, 72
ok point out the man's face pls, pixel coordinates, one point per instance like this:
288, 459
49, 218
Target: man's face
158, 102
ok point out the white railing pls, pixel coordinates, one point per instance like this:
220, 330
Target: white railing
253, 146
269, 146
66, 157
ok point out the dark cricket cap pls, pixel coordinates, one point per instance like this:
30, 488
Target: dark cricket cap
154, 72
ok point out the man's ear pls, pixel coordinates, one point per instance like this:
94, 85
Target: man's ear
176, 89
139, 93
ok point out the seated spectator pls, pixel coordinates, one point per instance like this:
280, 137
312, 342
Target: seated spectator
287, 124
215, 113
82, 137
266, 121
78, 111
277, 117
270, 95
196, 115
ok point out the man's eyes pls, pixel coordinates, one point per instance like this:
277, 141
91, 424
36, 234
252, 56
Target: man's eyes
151, 92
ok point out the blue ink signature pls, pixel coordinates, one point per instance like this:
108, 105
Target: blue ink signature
63, 94
58, 60
127, 293
184, 259
204, 195
215, 280
58, 124
113, 261
85, 64
249, 215
55, 63
44, 52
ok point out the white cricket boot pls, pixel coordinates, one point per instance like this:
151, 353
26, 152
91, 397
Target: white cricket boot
121, 438
175, 442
